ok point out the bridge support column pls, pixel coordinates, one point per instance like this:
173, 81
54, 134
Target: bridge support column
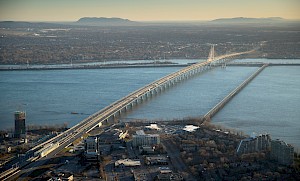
105, 121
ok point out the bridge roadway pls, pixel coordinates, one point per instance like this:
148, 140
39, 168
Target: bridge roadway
67, 137
222, 103
259, 64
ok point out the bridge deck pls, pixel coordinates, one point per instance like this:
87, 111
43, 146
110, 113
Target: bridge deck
223, 102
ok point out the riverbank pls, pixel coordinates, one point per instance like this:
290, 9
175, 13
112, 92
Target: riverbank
131, 65
103, 66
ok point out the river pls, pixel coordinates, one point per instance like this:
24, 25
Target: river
270, 103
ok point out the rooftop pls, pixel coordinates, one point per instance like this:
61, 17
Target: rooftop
140, 132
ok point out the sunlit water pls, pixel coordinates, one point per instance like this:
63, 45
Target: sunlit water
270, 103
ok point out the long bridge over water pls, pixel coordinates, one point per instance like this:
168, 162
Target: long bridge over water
137, 96
69, 136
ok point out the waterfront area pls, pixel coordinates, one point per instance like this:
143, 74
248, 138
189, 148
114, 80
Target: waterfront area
184, 149
267, 151
245, 153
109, 85
149, 90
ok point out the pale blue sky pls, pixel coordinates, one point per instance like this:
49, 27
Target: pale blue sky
146, 10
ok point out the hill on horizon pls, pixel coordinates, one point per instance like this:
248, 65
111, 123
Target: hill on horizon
104, 21
115, 21
249, 20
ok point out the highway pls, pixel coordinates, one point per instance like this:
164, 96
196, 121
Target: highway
66, 138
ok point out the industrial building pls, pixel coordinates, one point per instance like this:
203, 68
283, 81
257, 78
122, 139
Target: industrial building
142, 139
20, 127
282, 152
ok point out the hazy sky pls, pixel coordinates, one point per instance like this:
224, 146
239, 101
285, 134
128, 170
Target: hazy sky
146, 10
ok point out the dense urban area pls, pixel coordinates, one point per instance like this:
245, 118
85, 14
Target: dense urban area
189, 149
177, 150
45, 43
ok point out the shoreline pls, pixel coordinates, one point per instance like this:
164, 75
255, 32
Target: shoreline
256, 64
95, 67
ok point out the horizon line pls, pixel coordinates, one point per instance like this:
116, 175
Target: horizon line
174, 20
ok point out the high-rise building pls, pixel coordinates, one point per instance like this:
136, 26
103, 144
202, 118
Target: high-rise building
20, 127
282, 152
254, 144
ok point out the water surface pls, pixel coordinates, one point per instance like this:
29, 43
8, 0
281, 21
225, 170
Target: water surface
270, 103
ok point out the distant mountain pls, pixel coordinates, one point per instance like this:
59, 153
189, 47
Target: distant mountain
242, 20
24, 24
102, 21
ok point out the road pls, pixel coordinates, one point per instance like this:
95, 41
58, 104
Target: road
174, 154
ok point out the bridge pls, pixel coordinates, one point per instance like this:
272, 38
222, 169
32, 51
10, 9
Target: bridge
57, 143
259, 64
135, 97
222, 103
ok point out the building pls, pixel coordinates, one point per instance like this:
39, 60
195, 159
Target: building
142, 139
263, 142
282, 152
254, 144
156, 160
20, 127
109, 141
128, 163
166, 174
146, 149
63, 176
91, 149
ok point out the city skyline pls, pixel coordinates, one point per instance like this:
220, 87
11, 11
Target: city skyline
155, 10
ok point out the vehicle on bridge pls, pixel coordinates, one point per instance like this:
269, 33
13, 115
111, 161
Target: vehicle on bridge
46, 150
